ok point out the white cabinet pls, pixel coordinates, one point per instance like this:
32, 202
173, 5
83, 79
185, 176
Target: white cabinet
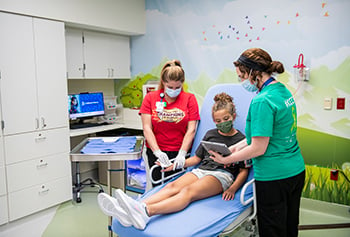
3, 190
35, 170
95, 55
75, 53
4, 210
50, 58
38, 171
33, 65
3, 186
28, 146
38, 197
18, 82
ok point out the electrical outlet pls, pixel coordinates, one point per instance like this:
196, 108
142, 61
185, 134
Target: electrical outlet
334, 174
327, 103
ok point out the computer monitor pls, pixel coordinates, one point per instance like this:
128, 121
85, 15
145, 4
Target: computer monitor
85, 105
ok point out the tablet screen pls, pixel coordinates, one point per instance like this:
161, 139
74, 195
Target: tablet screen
217, 147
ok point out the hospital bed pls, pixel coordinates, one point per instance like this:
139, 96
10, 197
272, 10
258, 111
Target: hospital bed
211, 216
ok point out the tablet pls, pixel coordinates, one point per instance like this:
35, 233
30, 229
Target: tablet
217, 147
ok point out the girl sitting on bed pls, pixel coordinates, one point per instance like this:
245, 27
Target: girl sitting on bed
209, 179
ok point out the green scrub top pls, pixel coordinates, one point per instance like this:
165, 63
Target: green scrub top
272, 113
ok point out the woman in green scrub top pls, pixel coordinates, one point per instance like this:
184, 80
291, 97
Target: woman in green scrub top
271, 143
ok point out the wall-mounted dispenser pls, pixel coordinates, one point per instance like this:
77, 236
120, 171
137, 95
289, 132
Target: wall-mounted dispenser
301, 72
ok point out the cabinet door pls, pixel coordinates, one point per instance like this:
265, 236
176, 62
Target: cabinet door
39, 197
96, 55
2, 167
4, 210
18, 84
106, 55
2, 181
119, 56
37, 171
51, 73
2, 157
23, 147
74, 51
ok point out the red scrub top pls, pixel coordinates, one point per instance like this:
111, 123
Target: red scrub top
170, 125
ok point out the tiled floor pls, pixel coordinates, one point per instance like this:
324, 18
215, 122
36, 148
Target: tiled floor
85, 219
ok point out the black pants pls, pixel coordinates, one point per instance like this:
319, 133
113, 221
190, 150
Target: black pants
278, 204
156, 174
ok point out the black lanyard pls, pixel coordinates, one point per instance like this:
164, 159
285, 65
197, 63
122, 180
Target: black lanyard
266, 83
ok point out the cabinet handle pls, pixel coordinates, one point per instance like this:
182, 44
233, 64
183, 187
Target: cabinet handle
43, 122
42, 165
83, 69
110, 72
40, 138
43, 190
37, 123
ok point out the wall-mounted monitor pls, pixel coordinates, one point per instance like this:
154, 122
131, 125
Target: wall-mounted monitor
85, 105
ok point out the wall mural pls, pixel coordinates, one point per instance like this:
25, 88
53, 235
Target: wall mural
207, 36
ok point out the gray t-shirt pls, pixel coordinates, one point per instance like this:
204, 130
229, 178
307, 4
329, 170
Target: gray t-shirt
209, 164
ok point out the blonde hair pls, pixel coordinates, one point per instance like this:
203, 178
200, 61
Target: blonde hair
224, 101
171, 71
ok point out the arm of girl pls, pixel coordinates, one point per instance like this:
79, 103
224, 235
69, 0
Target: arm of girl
229, 194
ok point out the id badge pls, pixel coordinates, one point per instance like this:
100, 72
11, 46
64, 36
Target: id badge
159, 106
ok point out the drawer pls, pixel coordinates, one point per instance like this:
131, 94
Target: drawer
4, 210
2, 181
2, 158
40, 197
37, 171
28, 146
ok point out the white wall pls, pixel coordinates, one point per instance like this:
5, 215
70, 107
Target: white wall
126, 17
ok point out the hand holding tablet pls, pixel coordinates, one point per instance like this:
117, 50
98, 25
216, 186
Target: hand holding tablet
217, 147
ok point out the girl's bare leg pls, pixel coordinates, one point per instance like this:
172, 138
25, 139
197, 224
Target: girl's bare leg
205, 187
172, 188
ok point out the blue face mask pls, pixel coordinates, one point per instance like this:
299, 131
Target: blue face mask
247, 85
173, 93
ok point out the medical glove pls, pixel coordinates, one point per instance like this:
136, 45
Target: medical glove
163, 158
180, 159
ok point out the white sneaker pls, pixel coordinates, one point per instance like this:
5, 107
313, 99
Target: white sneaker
136, 210
110, 207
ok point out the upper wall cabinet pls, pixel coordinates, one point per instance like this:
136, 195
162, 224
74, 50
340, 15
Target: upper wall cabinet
33, 66
94, 55
125, 17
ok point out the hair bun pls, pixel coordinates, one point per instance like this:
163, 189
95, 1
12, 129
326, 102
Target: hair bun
223, 97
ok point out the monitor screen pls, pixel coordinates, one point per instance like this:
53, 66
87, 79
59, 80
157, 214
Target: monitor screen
85, 105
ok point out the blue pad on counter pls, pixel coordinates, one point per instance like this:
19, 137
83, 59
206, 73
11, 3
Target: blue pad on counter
102, 146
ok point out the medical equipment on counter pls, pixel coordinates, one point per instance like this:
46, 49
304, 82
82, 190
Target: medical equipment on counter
211, 216
113, 113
